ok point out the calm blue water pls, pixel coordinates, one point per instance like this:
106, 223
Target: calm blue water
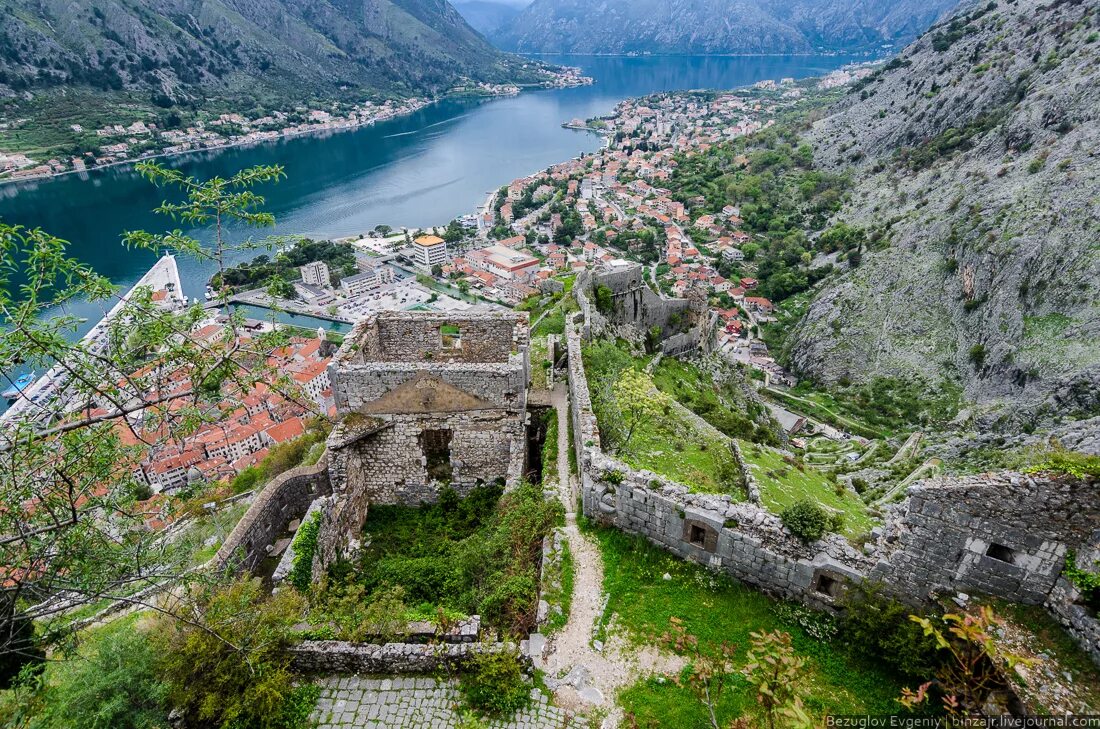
419, 170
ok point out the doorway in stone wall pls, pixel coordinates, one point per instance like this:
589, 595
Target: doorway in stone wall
436, 447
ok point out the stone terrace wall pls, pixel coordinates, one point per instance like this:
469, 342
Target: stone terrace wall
1001, 534
283, 499
333, 656
408, 336
741, 539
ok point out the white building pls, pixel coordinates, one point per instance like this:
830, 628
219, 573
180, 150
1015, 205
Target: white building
429, 250
316, 274
369, 280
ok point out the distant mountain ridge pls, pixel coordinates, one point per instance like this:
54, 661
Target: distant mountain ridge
189, 49
488, 16
716, 26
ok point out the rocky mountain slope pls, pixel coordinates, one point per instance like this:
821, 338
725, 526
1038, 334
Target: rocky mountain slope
977, 159
180, 50
488, 16
716, 26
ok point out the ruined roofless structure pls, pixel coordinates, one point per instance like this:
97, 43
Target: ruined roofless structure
424, 401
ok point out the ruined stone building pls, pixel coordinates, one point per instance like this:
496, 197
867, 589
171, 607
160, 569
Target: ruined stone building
426, 400
684, 325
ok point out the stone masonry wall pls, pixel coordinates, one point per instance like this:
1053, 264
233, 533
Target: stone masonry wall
1065, 605
742, 539
359, 388
390, 468
283, 499
333, 656
636, 304
415, 337
1001, 534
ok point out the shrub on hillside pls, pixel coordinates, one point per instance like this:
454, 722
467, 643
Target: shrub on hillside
879, 628
225, 663
493, 684
809, 522
112, 683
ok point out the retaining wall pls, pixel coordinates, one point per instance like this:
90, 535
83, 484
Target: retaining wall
333, 656
285, 498
1003, 534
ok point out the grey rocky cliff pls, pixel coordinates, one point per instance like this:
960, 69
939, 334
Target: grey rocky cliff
977, 160
715, 26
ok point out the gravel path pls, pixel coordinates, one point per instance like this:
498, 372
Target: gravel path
582, 677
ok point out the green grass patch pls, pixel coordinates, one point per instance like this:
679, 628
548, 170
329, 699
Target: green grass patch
669, 442
477, 555
783, 483
717, 609
694, 458
1051, 325
723, 406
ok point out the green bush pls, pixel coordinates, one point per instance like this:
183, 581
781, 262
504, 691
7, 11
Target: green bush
493, 684
807, 521
879, 629
247, 480
305, 545
111, 683
225, 664
1087, 583
477, 555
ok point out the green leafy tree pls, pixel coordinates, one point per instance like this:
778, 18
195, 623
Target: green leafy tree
69, 524
224, 661
113, 682
777, 674
638, 403
976, 666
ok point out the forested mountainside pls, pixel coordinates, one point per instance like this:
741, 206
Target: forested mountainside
716, 26
976, 161
180, 50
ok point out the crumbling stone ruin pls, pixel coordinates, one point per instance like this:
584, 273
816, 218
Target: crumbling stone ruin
685, 325
425, 401
1004, 535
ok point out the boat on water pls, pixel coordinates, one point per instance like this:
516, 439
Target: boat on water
21, 383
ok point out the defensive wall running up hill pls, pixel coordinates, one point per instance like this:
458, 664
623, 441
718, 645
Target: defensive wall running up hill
1004, 534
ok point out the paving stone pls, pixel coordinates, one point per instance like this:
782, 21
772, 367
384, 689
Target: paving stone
412, 703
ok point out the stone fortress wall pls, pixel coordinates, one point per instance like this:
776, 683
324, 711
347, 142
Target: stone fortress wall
1004, 535
686, 324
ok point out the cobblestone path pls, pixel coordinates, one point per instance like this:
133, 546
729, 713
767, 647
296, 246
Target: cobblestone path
414, 703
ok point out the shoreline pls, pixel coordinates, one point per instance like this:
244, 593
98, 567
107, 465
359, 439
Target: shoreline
282, 136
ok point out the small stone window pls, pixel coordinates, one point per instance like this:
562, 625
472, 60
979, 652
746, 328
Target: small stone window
450, 336
697, 535
1001, 553
827, 585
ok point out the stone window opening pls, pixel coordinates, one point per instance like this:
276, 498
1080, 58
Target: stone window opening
436, 447
450, 336
1001, 553
697, 535
828, 586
